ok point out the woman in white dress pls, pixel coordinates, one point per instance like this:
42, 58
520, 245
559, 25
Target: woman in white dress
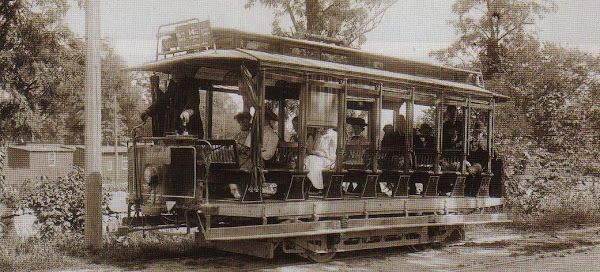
322, 156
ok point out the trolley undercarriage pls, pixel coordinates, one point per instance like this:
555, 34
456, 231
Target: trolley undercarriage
315, 228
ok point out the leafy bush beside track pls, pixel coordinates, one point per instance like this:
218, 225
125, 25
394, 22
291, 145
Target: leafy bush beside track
548, 190
59, 205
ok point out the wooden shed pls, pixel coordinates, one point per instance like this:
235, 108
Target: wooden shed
110, 158
32, 161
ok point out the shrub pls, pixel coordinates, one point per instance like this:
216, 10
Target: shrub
9, 196
31, 254
8, 203
547, 189
59, 205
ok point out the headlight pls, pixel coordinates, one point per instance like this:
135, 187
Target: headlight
151, 176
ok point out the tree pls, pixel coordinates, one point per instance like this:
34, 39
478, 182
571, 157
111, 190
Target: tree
42, 67
35, 55
339, 21
487, 27
119, 96
553, 112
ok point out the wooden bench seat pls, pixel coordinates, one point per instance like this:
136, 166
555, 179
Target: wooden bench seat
391, 159
285, 157
357, 157
223, 154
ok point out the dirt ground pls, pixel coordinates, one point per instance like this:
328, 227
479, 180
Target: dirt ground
486, 248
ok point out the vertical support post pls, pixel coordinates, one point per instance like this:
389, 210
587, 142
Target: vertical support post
302, 122
410, 113
281, 116
93, 136
438, 132
468, 125
253, 191
261, 117
339, 160
466, 113
209, 112
490, 136
377, 125
116, 135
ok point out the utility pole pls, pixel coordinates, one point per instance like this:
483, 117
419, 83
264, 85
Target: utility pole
93, 135
116, 135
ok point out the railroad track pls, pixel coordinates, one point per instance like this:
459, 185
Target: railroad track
212, 259
496, 265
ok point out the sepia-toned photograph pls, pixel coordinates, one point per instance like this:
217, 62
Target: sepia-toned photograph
299, 135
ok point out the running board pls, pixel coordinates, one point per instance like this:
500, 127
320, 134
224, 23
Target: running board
278, 231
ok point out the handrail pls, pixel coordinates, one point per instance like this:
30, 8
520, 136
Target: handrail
208, 161
136, 180
133, 130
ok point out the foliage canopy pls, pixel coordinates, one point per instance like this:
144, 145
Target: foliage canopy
340, 21
487, 28
42, 73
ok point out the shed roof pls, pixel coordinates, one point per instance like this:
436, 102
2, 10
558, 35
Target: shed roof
43, 148
106, 149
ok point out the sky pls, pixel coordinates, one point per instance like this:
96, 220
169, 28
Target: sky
409, 29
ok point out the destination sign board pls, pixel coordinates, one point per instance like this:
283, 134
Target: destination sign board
190, 36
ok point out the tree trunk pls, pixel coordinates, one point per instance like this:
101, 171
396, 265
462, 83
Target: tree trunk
312, 16
492, 55
492, 59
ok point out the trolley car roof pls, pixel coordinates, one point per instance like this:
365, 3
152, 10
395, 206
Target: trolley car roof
197, 60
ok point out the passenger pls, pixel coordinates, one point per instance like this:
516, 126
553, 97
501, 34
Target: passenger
322, 156
310, 135
390, 155
356, 155
478, 154
177, 109
393, 157
270, 138
424, 137
311, 132
243, 141
244, 121
478, 140
294, 137
358, 126
390, 158
269, 147
452, 123
389, 139
401, 131
452, 141
393, 145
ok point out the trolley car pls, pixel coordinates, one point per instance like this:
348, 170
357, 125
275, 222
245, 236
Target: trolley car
404, 195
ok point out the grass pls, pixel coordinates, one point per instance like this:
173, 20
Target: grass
140, 246
553, 205
35, 255
553, 220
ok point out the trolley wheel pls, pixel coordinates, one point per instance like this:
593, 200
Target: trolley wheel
318, 257
456, 235
420, 247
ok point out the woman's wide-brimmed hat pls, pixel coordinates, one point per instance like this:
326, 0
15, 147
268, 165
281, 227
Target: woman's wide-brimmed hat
356, 121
